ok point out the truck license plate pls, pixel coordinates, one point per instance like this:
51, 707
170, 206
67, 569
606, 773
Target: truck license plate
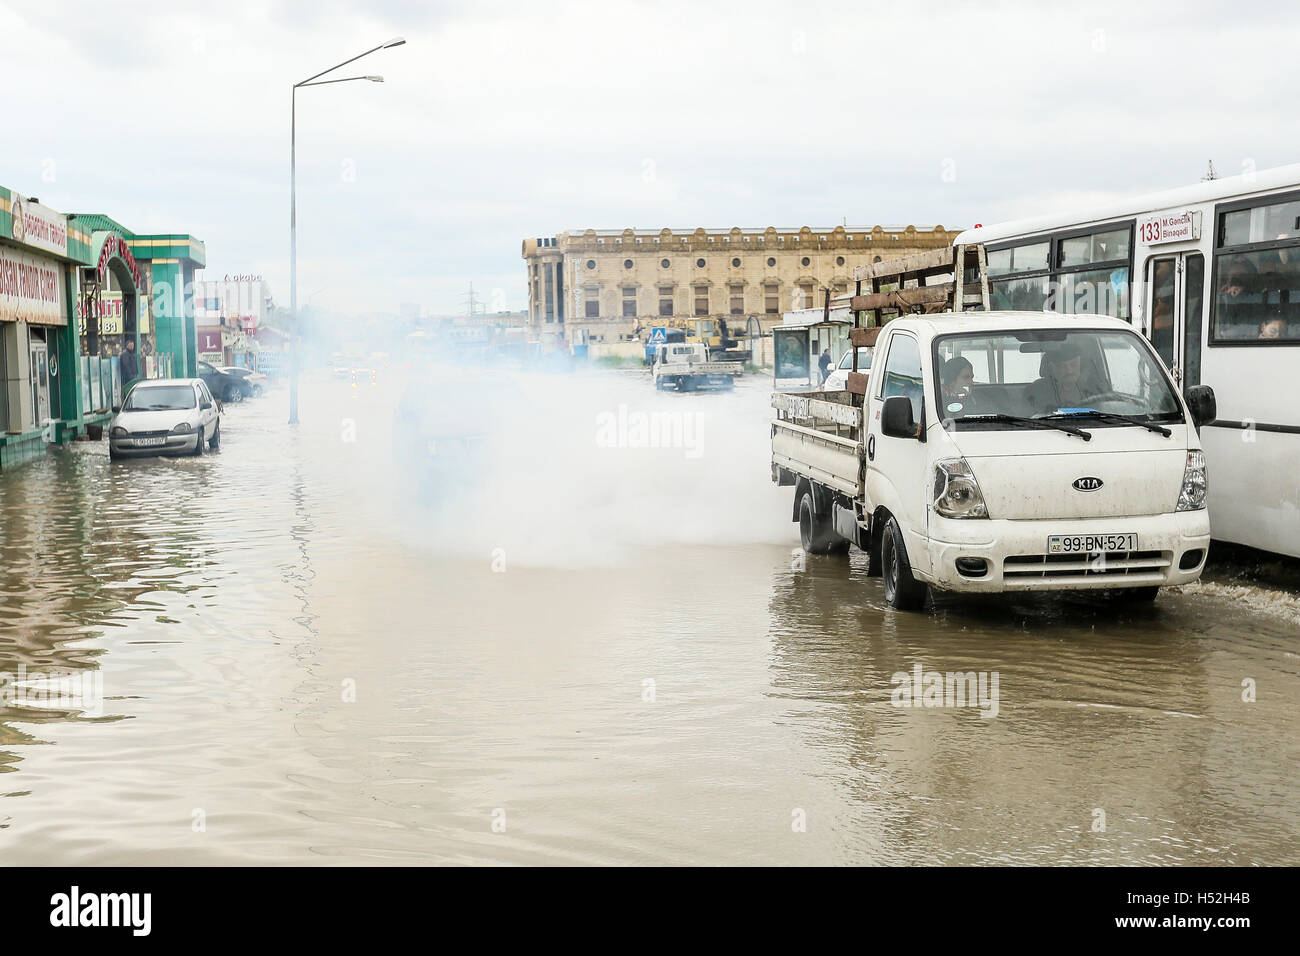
1091, 543
150, 441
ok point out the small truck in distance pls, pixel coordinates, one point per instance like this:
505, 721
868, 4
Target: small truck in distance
998, 451
685, 366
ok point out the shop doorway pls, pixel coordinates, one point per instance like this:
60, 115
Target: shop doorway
40, 378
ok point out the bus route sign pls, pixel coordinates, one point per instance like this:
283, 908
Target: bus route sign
1169, 227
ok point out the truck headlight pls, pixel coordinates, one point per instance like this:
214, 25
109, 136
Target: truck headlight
1195, 483
956, 492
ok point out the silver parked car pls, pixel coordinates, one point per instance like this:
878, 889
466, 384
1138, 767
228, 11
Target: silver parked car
165, 416
839, 377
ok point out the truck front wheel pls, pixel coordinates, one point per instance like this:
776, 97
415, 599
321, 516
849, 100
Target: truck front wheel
902, 591
815, 534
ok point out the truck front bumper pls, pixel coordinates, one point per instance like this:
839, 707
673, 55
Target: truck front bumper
981, 555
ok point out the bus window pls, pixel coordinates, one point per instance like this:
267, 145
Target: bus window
1096, 247
1193, 303
1257, 296
1019, 295
1163, 301
1257, 290
1100, 291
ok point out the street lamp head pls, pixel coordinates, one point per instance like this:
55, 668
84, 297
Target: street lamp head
375, 79
395, 41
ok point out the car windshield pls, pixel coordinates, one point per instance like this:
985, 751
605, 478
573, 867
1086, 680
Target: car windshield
1095, 375
864, 358
159, 398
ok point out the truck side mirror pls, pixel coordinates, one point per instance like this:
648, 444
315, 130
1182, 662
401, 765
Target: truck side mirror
1201, 402
896, 417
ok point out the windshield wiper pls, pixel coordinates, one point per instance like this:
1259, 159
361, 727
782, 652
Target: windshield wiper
1113, 417
1027, 422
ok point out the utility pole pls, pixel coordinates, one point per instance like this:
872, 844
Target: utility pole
471, 301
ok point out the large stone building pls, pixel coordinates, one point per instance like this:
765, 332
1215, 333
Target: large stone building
609, 284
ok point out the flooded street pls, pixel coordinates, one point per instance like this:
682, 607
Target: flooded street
598, 652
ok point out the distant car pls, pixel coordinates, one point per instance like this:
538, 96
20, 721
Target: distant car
838, 380
228, 388
253, 383
165, 416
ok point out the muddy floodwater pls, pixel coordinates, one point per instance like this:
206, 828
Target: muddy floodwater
596, 645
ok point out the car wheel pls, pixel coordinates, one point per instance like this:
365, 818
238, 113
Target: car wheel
815, 535
902, 591
198, 445
215, 440
257, 391
234, 394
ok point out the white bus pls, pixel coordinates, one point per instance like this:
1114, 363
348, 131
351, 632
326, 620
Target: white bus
1210, 273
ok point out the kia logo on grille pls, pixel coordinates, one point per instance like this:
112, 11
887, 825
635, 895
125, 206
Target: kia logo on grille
1087, 484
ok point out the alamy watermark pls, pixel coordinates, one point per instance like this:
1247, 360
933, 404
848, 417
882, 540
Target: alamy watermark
628, 428
922, 688
58, 689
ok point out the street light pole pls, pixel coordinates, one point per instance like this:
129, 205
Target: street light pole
295, 341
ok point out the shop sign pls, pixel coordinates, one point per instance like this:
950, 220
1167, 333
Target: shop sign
109, 308
115, 246
38, 226
210, 340
31, 289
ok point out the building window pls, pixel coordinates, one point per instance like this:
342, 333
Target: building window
839, 260
806, 296
735, 263
665, 302
592, 303
591, 263
700, 263
737, 300
627, 263
664, 263
629, 303
770, 262
805, 261
771, 299
701, 300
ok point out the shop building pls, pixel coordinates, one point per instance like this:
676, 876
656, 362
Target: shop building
228, 314
73, 290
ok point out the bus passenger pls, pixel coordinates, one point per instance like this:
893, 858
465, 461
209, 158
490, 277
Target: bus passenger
1273, 327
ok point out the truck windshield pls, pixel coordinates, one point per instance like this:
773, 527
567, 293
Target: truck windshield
1105, 377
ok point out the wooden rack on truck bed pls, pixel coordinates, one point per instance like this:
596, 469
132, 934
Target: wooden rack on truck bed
962, 286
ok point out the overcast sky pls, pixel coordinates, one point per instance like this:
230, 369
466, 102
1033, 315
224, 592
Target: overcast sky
500, 120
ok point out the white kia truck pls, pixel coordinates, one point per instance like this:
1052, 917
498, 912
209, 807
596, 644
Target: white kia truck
1004, 451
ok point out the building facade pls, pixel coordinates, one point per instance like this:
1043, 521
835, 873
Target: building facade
610, 285
73, 289
228, 314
